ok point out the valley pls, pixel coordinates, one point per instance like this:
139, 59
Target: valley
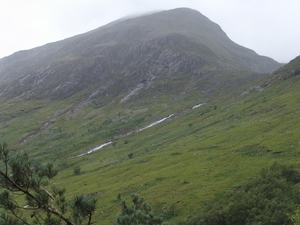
182, 117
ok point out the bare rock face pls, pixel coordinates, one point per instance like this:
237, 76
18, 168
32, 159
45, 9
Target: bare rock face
127, 57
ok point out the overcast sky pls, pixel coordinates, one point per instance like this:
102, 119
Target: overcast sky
269, 27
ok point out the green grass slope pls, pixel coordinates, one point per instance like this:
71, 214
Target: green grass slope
198, 155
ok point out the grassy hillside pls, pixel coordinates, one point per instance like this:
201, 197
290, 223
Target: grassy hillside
63, 99
198, 155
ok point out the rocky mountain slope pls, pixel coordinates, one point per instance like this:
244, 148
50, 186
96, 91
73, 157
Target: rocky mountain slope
130, 56
118, 78
90, 101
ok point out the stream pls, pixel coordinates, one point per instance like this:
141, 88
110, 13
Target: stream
141, 129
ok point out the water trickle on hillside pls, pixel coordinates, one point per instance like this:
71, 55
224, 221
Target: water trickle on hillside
155, 123
141, 129
196, 106
95, 149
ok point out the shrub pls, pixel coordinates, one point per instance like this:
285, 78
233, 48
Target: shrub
77, 170
138, 213
268, 198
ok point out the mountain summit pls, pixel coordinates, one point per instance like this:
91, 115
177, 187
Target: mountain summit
163, 104
127, 56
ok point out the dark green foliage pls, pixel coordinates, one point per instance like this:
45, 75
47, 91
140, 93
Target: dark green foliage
83, 207
77, 170
138, 213
6, 220
22, 176
266, 199
295, 217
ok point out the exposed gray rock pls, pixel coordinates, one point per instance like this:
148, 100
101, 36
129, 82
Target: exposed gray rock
122, 58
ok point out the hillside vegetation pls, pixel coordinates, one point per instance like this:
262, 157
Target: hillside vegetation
246, 121
197, 156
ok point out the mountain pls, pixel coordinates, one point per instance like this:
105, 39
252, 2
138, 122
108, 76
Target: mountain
163, 105
128, 56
